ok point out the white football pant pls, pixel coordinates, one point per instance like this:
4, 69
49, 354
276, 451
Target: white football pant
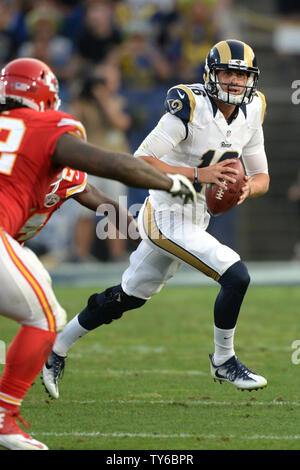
26, 291
170, 239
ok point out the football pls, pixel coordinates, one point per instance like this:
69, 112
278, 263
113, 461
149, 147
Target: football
219, 200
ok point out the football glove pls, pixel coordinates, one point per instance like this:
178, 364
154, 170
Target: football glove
182, 188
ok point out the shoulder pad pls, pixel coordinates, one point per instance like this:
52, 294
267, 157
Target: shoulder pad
79, 129
61, 119
180, 101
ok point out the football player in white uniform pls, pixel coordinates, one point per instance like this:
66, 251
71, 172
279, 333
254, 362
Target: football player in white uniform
204, 127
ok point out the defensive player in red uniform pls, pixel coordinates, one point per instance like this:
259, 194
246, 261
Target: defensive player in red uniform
36, 142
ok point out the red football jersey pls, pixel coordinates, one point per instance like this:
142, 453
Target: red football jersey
70, 182
27, 141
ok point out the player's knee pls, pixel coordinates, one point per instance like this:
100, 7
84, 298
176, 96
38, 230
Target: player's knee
236, 277
108, 306
113, 302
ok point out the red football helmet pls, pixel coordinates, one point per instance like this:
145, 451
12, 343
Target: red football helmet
30, 82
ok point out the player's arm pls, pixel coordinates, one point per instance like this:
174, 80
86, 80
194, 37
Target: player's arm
75, 153
257, 180
255, 186
168, 133
92, 198
210, 174
258, 185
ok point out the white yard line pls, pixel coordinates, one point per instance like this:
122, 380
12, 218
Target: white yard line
209, 402
136, 372
166, 436
206, 402
146, 349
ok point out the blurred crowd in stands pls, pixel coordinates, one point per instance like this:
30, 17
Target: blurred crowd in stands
115, 60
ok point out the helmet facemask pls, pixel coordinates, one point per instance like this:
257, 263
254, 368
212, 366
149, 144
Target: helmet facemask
233, 55
214, 88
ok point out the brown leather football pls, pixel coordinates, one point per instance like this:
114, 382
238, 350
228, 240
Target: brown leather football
219, 200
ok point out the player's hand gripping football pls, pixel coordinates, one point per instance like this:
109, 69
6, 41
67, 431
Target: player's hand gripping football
245, 190
182, 188
217, 173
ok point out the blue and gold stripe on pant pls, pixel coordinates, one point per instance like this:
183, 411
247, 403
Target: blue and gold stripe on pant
155, 235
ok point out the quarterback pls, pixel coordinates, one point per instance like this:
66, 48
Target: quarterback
36, 142
204, 127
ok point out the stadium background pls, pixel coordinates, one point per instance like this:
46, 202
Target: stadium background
156, 44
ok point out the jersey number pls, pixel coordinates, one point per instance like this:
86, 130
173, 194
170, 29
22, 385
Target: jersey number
11, 134
206, 160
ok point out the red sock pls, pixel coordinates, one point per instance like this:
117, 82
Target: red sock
25, 358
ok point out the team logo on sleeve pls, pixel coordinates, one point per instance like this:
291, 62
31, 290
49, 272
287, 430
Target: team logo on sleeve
51, 199
174, 106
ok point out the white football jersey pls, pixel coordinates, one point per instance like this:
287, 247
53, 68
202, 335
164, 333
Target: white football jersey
195, 133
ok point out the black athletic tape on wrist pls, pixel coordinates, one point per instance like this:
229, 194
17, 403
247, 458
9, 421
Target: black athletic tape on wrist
197, 185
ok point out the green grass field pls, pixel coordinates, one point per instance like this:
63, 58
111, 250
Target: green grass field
143, 382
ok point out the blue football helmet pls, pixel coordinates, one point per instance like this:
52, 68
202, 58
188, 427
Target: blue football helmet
231, 55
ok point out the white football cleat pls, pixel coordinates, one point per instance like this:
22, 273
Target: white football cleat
236, 373
52, 371
12, 437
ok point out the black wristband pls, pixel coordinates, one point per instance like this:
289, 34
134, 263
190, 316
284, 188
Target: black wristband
197, 185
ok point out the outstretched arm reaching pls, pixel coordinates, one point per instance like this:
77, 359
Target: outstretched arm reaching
75, 153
